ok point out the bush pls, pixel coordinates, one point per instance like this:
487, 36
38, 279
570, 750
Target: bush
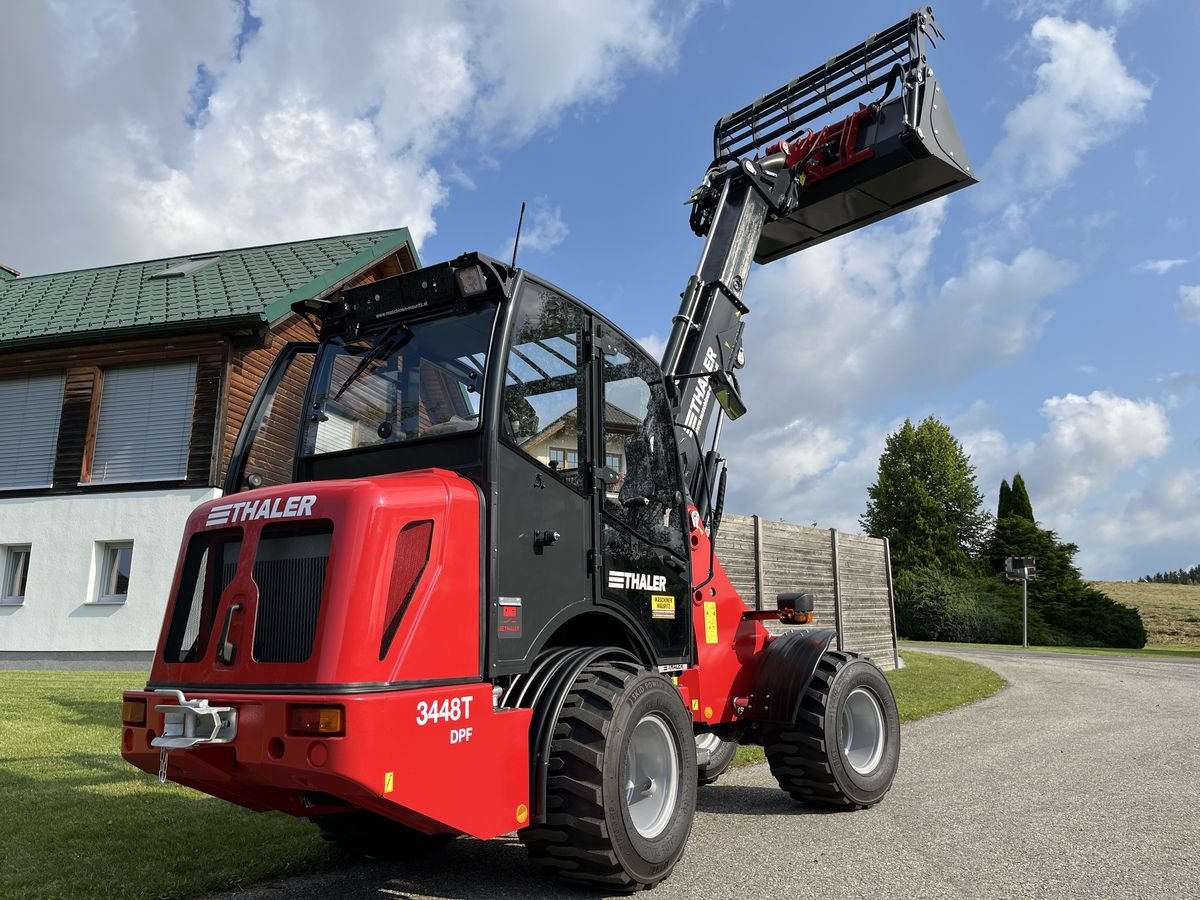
933, 606
1089, 617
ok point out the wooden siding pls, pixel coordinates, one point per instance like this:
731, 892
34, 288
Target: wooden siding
847, 575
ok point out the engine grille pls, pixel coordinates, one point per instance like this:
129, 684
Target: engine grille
289, 569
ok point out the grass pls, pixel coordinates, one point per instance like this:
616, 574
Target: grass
928, 684
1160, 651
1171, 612
80, 822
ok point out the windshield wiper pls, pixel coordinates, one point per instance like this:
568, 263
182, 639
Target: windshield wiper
389, 342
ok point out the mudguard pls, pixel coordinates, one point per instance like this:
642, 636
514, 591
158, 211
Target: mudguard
544, 690
784, 673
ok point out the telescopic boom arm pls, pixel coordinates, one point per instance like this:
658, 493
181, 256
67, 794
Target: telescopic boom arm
778, 185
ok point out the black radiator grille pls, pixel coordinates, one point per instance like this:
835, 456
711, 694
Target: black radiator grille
289, 569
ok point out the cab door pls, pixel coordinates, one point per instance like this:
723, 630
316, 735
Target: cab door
640, 511
542, 513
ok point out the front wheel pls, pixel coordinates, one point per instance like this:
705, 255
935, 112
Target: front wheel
714, 757
621, 794
845, 747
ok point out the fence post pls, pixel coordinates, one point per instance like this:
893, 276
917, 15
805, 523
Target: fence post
887, 561
758, 563
837, 590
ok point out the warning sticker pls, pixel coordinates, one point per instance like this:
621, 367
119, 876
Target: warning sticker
710, 621
662, 606
508, 625
389, 782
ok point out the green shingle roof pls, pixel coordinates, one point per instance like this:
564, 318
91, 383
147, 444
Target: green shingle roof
253, 283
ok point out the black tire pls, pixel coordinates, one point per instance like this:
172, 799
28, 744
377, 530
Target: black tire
589, 836
370, 836
808, 759
720, 755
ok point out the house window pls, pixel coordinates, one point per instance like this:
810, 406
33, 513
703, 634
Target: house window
561, 459
32, 407
16, 574
613, 461
116, 560
145, 423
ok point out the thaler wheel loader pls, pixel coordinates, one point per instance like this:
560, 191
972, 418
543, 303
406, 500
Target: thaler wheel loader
463, 579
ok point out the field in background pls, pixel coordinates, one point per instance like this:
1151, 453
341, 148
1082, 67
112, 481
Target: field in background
1171, 612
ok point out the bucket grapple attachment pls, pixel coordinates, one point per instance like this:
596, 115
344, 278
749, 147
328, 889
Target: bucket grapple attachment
899, 149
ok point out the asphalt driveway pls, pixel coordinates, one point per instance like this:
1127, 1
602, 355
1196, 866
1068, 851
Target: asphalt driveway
1081, 779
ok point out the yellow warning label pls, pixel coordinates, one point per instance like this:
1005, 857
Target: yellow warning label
695, 704
389, 782
662, 606
710, 621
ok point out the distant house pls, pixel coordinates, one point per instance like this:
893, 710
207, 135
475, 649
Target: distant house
123, 389
557, 445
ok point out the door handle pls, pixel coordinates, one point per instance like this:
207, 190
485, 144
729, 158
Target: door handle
227, 649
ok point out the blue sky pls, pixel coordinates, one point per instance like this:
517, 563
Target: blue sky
1050, 314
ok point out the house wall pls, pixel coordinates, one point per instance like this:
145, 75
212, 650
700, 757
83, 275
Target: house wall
60, 613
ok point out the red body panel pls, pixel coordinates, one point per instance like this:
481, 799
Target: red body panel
442, 778
727, 644
367, 516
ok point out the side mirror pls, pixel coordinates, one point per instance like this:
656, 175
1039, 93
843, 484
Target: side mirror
725, 389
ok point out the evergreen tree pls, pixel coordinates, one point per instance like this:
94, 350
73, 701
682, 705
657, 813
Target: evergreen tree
1004, 507
926, 501
1020, 499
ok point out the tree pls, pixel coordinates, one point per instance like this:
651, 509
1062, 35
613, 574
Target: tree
926, 501
1004, 507
1021, 505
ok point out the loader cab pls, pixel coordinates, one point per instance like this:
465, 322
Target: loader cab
560, 420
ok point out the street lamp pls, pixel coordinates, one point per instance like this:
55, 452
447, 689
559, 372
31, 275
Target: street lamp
1022, 569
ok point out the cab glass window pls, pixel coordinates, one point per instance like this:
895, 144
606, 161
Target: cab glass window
642, 490
542, 409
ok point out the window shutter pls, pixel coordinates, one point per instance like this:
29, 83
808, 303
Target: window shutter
32, 407
145, 423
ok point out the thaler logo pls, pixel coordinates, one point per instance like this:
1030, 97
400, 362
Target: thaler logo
636, 581
271, 508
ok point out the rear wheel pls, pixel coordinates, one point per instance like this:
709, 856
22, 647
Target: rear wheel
718, 753
845, 748
620, 796
366, 834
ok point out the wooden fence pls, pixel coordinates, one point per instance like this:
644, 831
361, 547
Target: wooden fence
849, 576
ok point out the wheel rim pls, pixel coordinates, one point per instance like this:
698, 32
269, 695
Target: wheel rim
652, 782
862, 731
707, 741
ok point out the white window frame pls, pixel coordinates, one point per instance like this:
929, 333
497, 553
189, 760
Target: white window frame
11, 555
107, 553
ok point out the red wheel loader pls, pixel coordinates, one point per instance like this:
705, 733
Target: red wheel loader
463, 577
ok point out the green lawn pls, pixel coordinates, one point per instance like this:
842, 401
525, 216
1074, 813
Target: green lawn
928, 684
81, 823
1162, 651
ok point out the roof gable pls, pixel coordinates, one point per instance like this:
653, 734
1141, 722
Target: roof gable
247, 284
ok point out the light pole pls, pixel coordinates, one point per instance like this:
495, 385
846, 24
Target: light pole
1022, 569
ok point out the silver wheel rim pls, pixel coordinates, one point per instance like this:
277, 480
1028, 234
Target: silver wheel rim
708, 741
862, 731
652, 782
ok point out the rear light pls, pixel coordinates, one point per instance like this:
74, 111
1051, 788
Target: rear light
329, 721
133, 712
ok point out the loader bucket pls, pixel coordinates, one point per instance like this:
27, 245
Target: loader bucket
908, 148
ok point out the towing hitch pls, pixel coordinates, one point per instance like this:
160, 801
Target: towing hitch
191, 722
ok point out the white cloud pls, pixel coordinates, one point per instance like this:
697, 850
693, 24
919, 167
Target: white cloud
653, 344
328, 122
1159, 266
854, 323
1084, 97
1189, 303
542, 231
